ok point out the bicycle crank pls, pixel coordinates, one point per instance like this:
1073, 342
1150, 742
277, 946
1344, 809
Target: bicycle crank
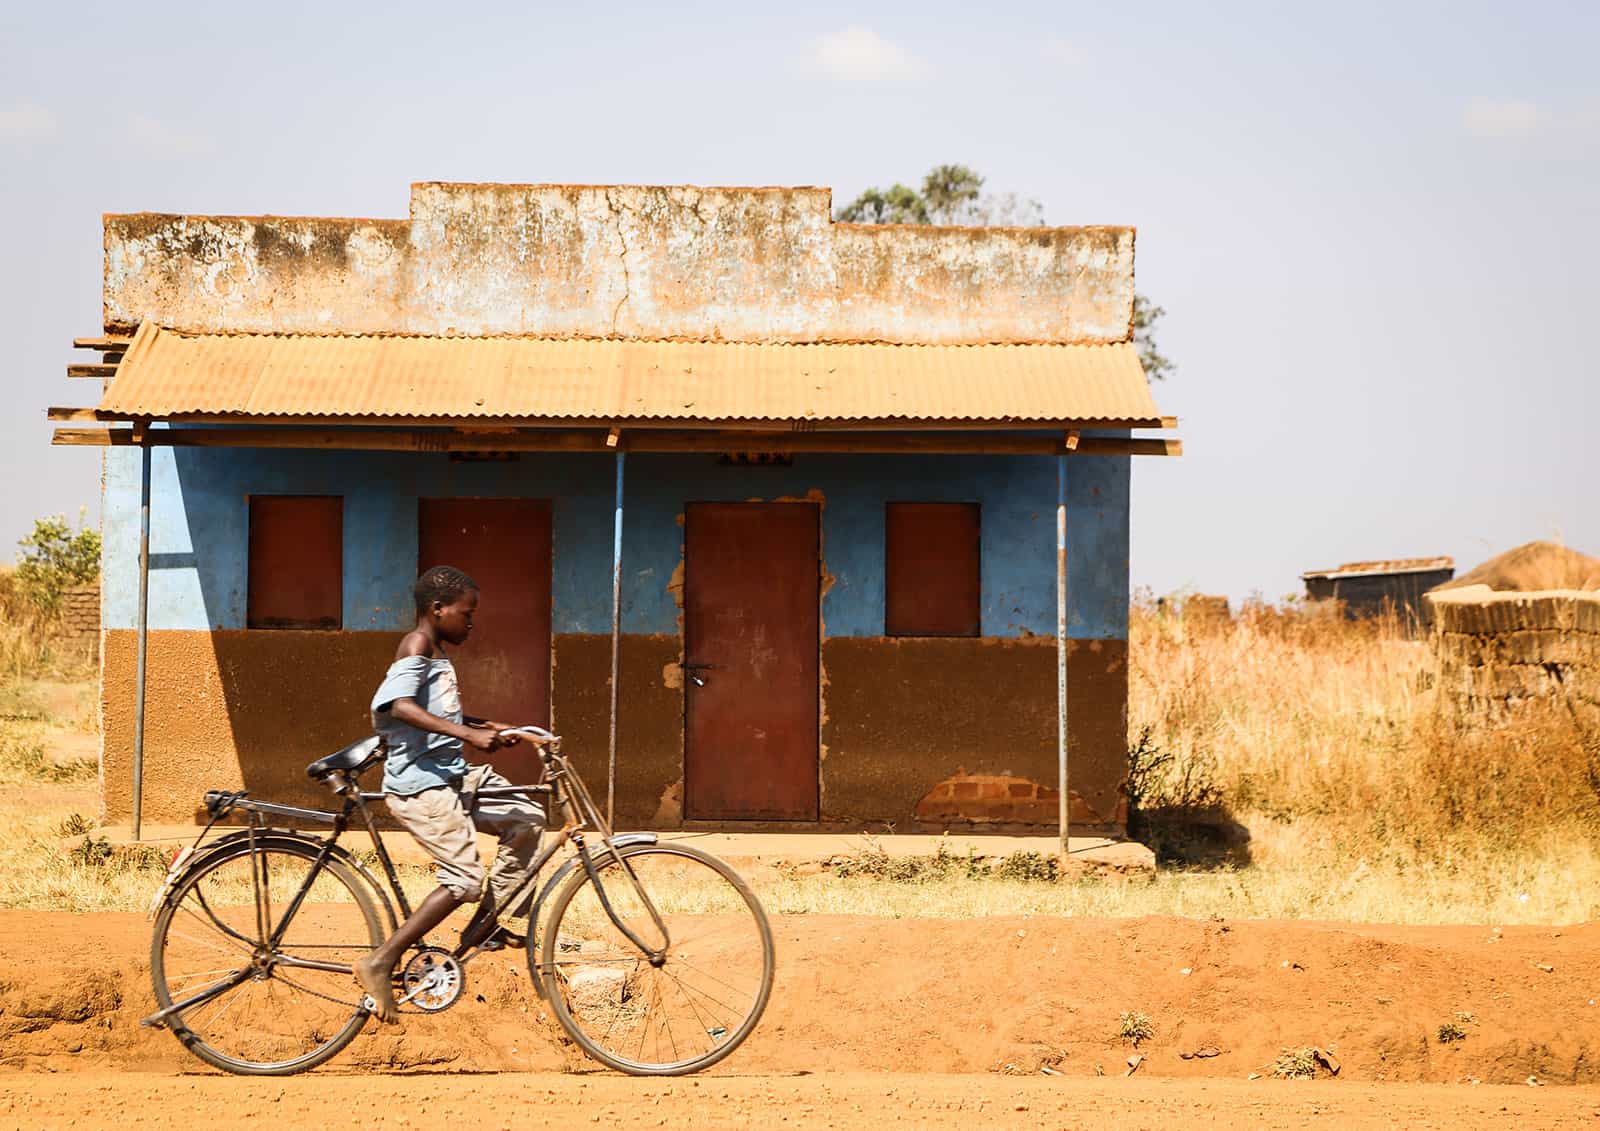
432, 980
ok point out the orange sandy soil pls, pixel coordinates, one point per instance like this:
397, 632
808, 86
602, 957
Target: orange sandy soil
972, 1008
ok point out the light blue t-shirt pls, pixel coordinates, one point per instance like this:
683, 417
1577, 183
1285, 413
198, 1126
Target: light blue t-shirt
417, 759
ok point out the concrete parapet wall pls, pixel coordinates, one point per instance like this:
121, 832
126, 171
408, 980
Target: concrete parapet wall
1496, 650
630, 261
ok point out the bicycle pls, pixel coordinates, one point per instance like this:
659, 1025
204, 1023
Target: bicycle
646, 943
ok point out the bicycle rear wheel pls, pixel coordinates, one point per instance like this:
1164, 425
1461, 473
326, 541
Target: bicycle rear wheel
701, 996
268, 980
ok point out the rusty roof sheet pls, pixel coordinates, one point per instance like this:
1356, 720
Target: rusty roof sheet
1391, 565
166, 374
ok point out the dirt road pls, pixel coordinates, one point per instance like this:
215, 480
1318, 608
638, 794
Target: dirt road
332, 1100
931, 1021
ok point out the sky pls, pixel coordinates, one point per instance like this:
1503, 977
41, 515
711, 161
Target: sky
1373, 226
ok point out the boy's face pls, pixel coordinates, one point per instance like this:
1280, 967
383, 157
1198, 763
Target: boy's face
454, 621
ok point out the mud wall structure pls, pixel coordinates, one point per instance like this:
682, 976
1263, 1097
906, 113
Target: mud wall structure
80, 611
915, 732
1495, 651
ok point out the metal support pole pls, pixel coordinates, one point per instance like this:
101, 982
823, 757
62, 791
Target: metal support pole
616, 639
144, 625
1061, 643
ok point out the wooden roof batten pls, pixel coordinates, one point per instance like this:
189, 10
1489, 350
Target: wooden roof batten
609, 439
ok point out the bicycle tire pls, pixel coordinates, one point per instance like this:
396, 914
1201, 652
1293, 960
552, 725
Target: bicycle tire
612, 983
266, 1036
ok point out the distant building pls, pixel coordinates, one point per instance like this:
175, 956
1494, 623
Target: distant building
1368, 588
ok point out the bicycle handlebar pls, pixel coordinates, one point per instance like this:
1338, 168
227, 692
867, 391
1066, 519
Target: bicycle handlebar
539, 735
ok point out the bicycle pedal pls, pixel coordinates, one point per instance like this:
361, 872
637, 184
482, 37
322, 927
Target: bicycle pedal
503, 939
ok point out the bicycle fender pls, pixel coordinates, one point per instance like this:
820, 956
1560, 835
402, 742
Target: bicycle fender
623, 840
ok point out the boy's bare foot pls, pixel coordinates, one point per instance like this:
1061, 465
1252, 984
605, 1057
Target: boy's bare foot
377, 979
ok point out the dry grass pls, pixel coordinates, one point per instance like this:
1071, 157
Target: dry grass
30, 643
1327, 727
1315, 737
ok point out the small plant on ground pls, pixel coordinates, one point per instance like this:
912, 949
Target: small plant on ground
76, 824
1296, 1064
100, 854
92, 852
23, 759
1134, 1027
1030, 867
1456, 1028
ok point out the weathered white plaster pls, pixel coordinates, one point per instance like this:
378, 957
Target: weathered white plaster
621, 261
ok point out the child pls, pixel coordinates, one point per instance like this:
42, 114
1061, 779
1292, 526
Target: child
417, 710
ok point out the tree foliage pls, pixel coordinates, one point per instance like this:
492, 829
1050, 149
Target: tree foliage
953, 195
53, 559
1145, 315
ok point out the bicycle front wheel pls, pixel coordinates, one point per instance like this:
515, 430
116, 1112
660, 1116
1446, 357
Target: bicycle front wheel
693, 995
261, 950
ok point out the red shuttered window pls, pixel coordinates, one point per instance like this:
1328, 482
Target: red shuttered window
296, 561
931, 583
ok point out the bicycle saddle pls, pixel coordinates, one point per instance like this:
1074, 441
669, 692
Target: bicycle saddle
356, 756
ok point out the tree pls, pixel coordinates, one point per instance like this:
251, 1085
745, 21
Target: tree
953, 195
53, 559
1145, 316
897, 205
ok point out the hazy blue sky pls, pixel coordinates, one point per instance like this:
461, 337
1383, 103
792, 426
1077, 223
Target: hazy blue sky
1374, 226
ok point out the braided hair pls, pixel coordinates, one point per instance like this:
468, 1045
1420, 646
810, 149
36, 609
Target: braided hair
441, 583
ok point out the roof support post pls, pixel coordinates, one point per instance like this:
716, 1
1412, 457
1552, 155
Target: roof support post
1061, 648
144, 634
616, 637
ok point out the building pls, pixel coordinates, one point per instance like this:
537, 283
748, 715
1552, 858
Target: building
829, 454
1373, 588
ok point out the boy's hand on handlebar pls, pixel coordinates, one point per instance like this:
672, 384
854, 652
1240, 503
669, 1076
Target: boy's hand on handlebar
484, 740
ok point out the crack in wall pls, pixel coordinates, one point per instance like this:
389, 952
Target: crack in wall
622, 257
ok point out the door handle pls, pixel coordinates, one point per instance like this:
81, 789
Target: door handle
694, 671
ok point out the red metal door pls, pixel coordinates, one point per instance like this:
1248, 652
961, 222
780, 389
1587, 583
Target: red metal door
504, 667
750, 627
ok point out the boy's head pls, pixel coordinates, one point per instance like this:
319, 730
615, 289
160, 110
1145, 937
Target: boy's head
448, 598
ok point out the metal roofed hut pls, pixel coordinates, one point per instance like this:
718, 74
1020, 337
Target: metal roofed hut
1367, 589
799, 484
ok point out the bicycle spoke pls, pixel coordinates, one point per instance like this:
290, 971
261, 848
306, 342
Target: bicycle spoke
282, 1017
709, 1030
673, 1016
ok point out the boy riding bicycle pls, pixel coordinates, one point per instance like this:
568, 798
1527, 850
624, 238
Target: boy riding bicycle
431, 788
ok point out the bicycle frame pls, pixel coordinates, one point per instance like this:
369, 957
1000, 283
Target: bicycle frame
564, 787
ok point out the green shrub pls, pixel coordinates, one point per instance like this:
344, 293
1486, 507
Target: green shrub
54, 558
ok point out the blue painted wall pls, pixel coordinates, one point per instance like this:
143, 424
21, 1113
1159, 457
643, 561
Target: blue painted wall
200, 509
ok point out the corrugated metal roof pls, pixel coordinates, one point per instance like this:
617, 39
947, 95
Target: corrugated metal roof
166, 374
1391, 565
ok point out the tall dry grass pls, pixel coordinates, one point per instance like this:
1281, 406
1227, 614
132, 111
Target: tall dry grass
1294, 718
31, 643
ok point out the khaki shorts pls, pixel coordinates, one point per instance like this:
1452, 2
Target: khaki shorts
439, 821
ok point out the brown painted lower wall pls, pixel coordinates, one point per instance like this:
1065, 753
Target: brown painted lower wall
916, 733
956, 732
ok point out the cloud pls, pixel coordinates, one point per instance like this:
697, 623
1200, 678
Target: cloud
27, 120
1502, 117
155, 135
859, 54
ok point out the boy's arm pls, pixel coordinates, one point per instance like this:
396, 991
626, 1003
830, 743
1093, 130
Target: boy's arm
410, 712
